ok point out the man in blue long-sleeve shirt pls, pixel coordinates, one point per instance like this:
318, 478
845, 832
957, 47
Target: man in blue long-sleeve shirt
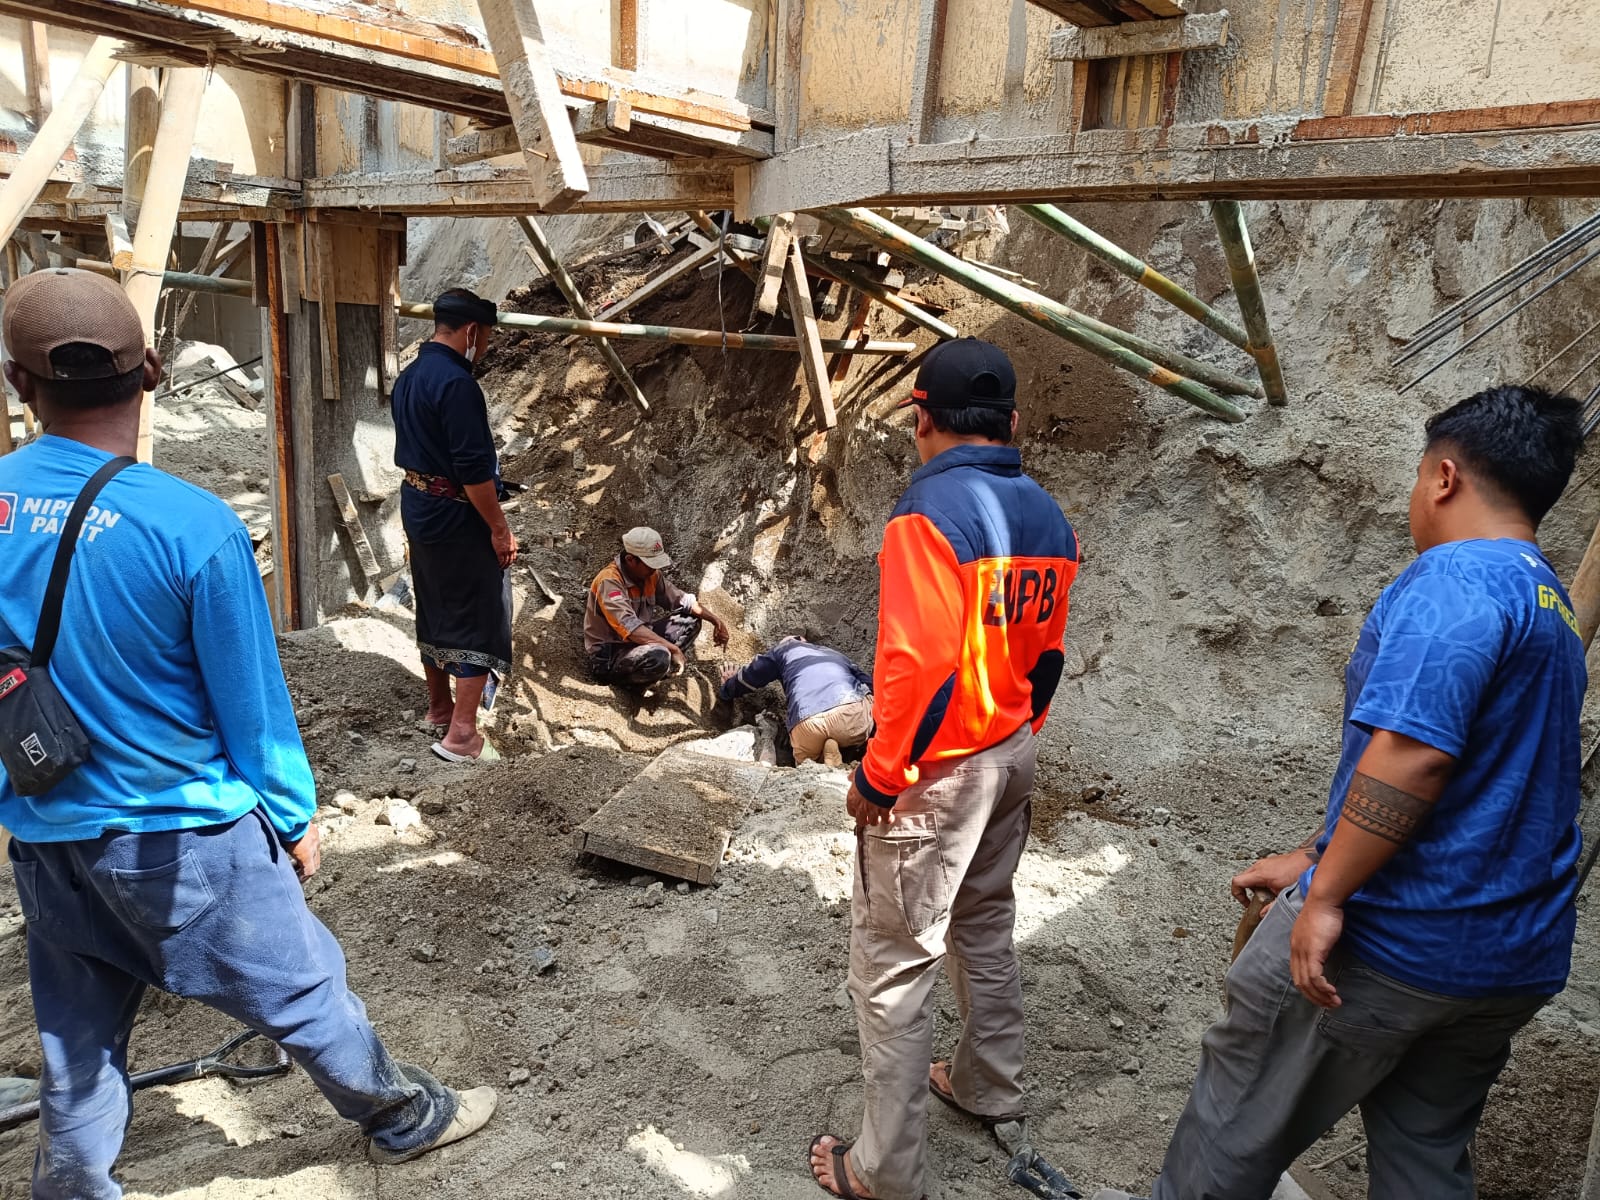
169, 859
829, 698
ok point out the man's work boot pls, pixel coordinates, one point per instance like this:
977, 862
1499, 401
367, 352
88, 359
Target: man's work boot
473, 1110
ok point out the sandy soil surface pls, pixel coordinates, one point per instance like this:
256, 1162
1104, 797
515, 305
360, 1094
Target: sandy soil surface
690, 1042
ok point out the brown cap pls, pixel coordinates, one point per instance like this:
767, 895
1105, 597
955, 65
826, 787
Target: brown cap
58, 307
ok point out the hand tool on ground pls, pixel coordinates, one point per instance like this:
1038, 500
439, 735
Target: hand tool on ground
1028, 1168
215, 1063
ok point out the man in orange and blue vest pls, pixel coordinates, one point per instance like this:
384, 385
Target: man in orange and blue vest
972, 606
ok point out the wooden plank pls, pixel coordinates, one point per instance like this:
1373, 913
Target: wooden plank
625, 23
925, 70
158, 211
657, 284
36, 70
388, 321
478, 144
1460, 120
678, 816
439, 45
119, 245
770, 269
204, 266
545, 253
327, 309
648, 133
1201, 32
786, 75
350, 518
805, 328
856, 329
1076, 11
1344, 62
533, 95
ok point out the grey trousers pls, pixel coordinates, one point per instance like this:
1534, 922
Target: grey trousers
935, 886
1277, 1072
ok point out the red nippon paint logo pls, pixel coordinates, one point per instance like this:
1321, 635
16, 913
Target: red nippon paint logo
8, 511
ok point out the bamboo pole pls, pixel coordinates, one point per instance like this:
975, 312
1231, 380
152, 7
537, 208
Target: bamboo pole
1229, 219
55, 135
546, 254
158, 209
1041, 310
847, 273
714, 338
1136, 269
139, 136
1585, 591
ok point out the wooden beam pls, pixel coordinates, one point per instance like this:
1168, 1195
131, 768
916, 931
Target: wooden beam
483, 190
648, 133
770, 269
625, 22
791, 18
158, 210
856, 329
533, 94
925, 70
276, 372
1079, 12
203, 266
322, 248
389, 255
55, 135
812, 362
478, 144
350, 518
1200, 32
139, 136
36, 70
858, 276
657, 284
545, 253
119, 245
1344, 62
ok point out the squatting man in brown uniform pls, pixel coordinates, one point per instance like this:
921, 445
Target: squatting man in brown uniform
972, 605
637, 623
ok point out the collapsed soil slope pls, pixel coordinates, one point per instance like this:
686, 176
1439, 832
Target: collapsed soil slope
691, 1044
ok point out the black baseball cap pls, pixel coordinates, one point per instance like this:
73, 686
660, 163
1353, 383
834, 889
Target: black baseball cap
965, 373
466, 306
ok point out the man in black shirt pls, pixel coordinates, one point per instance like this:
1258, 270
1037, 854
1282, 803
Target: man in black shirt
460, 544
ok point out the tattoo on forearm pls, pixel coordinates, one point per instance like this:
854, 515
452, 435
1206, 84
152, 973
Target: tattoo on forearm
1384, 811
1310, 846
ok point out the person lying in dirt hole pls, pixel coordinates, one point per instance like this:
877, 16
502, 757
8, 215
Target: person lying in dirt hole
1433, 914
168, 852
829, 698
637, 624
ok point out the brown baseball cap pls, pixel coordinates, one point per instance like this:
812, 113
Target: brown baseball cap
63, 306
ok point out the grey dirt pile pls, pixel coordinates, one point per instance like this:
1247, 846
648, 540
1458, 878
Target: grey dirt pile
655, 1042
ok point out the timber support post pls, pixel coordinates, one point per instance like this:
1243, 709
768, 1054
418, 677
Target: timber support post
1229, 218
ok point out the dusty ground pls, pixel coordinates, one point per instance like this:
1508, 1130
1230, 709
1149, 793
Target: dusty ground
1226, 573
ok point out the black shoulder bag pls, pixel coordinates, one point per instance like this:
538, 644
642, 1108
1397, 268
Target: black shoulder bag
41, 742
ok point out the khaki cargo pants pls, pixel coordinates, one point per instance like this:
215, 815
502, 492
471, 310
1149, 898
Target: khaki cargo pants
848, 724
935, 886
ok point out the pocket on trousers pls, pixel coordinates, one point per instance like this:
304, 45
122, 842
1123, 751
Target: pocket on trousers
26, 875
920, 889
166, 898
1379, 1015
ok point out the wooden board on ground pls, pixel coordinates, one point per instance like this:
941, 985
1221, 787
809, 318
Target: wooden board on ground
678, 816
350, 518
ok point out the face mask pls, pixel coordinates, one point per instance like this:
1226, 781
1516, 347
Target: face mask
471, 353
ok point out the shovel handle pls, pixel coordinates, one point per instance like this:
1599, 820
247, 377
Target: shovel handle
1259, 899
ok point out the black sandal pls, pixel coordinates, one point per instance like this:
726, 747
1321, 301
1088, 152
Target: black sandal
840, 1175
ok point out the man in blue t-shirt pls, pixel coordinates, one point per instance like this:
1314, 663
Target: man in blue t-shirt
1433, 915
170, 858
457, 539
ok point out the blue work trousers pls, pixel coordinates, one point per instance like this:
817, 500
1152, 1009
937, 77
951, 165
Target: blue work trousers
213, 914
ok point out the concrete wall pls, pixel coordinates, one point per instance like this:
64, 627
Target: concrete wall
996, 78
